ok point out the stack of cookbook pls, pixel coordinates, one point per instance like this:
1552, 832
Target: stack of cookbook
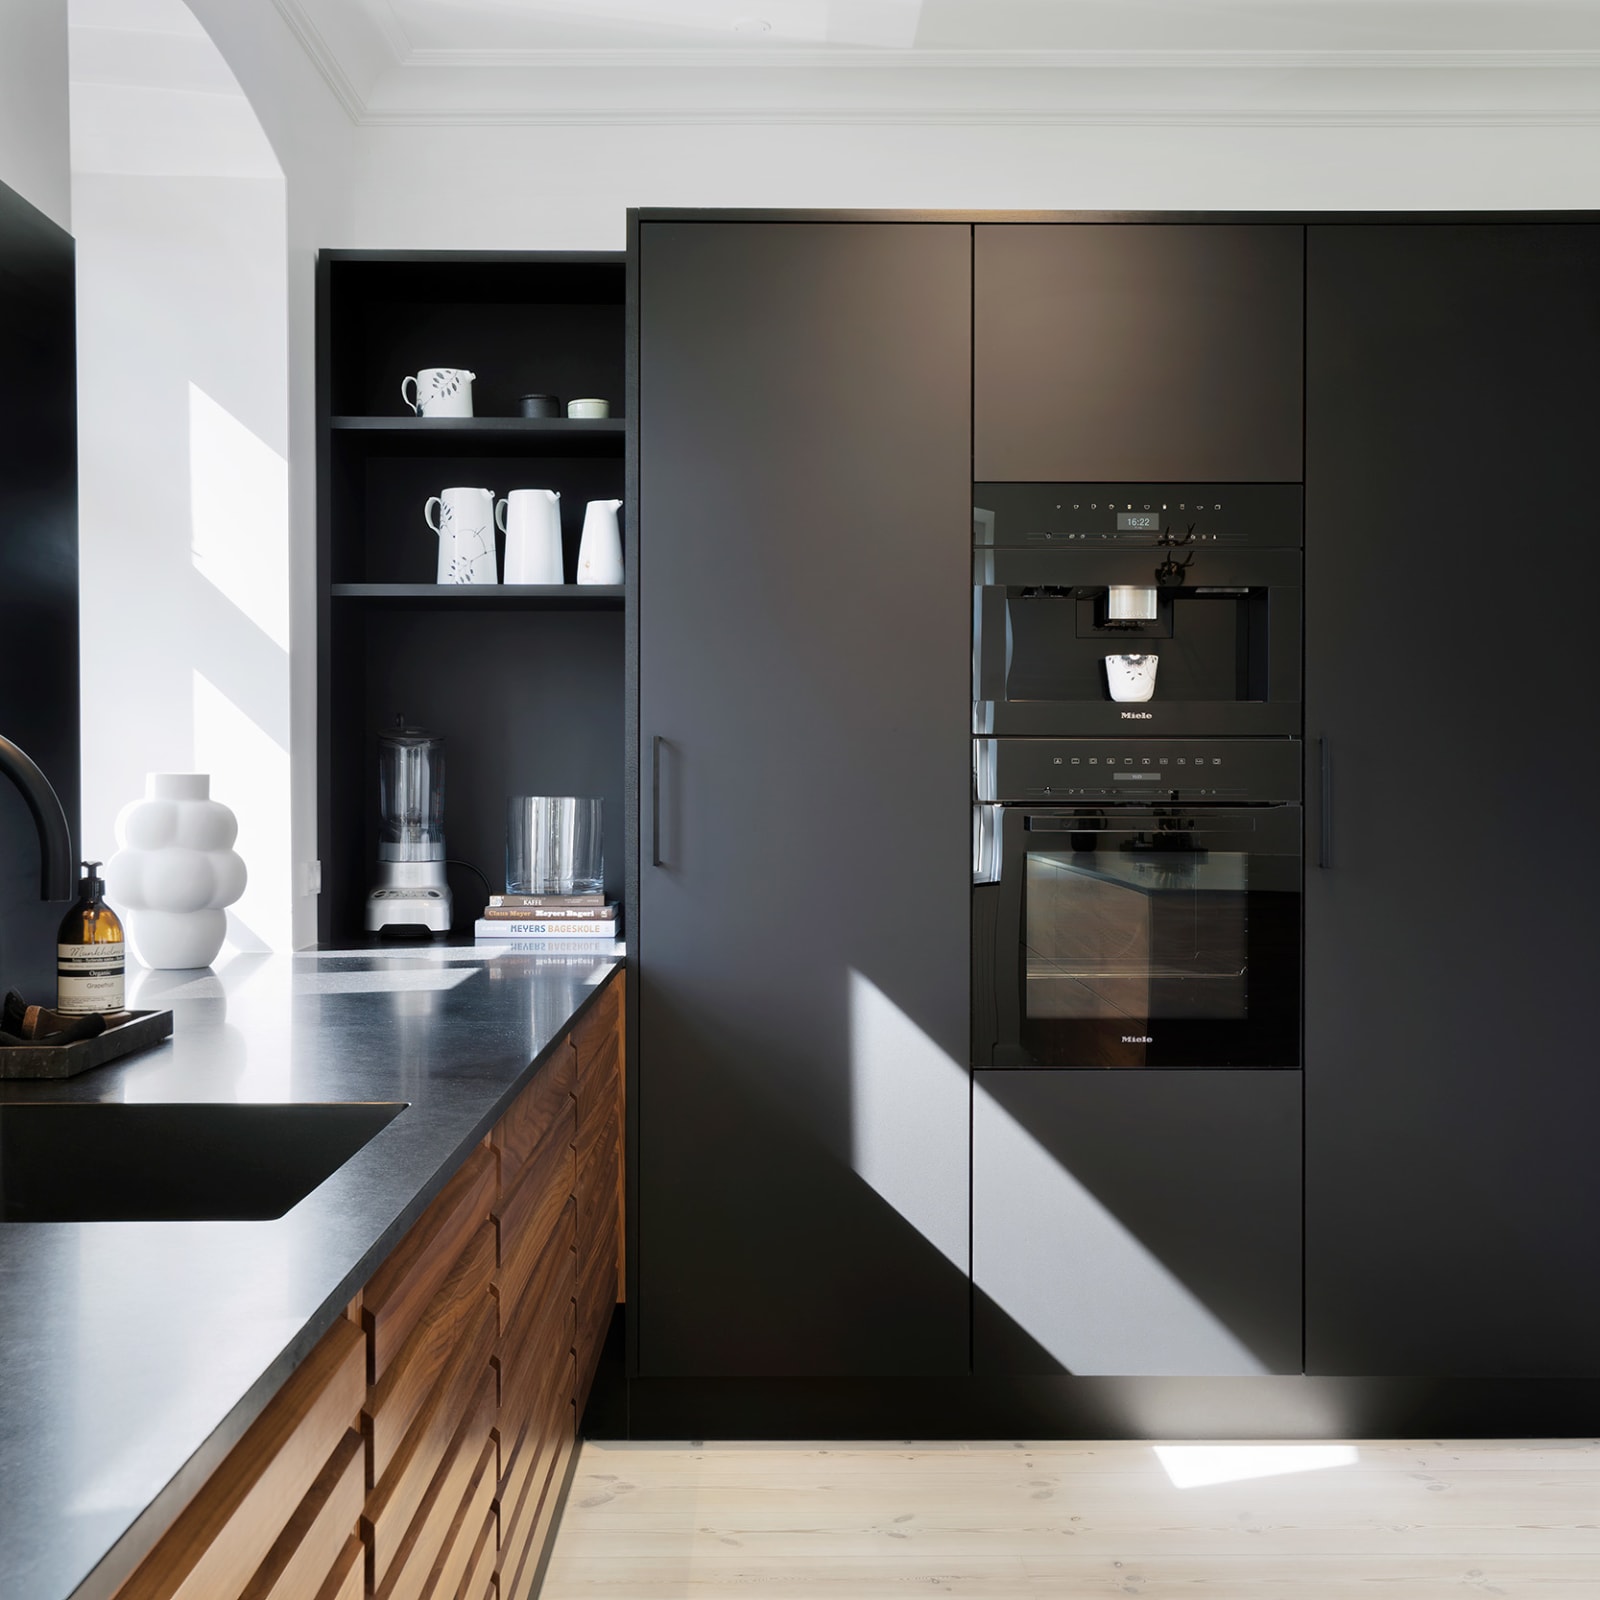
565, 917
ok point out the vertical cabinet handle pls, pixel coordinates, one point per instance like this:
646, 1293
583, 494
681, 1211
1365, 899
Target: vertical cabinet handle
1325, 817
655, 801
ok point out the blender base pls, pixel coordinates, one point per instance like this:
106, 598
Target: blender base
409, 897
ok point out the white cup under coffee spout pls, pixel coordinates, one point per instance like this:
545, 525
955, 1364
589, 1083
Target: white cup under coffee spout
439, 392
1131, 677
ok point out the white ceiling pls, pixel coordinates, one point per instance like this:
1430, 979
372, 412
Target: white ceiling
442, 61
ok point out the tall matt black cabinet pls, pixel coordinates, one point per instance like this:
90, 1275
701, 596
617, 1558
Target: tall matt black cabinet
1452, 1190
802, 1092
39, 559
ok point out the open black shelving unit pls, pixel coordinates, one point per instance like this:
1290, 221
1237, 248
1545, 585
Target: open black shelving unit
526, 682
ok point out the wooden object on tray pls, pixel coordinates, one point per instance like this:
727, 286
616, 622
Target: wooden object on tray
139, 1032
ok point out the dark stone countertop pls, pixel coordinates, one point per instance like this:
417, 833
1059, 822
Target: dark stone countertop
133, 1355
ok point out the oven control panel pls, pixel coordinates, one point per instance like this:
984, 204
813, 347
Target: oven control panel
1077, 516
1138, 770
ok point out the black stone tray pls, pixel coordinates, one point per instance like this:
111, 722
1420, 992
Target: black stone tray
139, 1032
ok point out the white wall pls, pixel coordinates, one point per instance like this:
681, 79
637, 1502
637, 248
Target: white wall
34, 141
203, 211
183, 438
568, 187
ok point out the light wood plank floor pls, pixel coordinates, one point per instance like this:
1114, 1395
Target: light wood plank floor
1416, 1521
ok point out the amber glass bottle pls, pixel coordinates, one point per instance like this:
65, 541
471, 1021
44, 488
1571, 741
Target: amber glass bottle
89, 951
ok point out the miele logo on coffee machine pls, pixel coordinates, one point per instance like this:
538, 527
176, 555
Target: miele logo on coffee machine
1137, 1038
1137, 716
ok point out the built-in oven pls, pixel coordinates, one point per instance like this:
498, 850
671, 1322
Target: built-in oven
1136, 608
1136, 903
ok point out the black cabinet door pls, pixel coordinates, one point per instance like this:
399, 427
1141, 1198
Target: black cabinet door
1137, 354
804, 551
1136, 1223
1452, 1097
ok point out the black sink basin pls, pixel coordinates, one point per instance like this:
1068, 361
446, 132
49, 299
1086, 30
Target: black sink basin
173, 1163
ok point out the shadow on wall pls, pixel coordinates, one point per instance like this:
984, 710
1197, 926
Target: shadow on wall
179, 213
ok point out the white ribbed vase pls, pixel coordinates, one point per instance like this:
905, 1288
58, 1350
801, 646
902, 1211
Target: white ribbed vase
175, 871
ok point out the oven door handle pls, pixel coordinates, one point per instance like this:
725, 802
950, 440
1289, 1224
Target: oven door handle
991, 657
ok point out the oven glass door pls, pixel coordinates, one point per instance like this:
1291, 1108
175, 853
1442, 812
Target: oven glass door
1149, 936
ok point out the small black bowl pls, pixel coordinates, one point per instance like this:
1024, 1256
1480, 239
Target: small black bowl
539, 405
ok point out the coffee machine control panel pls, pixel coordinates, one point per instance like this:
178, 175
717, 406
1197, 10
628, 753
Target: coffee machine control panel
1141, 771
1136, 515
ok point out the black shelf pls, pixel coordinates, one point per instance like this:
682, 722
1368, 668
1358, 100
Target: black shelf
526, 682
478, 436
487, 596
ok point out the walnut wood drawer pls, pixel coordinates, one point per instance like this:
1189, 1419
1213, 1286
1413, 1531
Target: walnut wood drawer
394, 1503
404, 1286
598, 1040
411, 1571
348, 1579
460, 1544
480, 1574
543, 1530
522, 1487
552, 1283
224, 1535
322, 1525
522, 1131
525, 1387
405, 1389
599, 1162
529, 1213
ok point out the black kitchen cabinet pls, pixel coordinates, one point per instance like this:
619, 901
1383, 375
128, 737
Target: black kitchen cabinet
39, 557
801, 1088
1128, 1223
1137, 353
1452, 1194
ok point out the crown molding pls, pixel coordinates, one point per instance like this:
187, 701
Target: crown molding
402, 98
856, 58
323, 58
1005, 117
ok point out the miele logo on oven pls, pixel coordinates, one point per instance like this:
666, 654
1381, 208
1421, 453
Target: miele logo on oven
1137, 1038
1137, 716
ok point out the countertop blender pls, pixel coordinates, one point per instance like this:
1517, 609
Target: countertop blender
411, 895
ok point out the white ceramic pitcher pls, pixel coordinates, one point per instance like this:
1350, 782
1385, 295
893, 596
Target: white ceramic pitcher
439, 392
466, 534
531, 522
600, 550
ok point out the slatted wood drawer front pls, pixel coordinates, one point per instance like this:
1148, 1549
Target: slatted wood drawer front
536, 1398
222, 1538
320, 1528
394, 1502
599, 1161
598, 1038
597, 1304
404, 1286
411, 1571
394, 1404
544, 1522
552, 1289
521, 1132
530, 1212
348, 1579
450, 1569
479, 1576
522, 1491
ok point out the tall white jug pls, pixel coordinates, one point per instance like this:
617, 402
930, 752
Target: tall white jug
532, 525
600, 551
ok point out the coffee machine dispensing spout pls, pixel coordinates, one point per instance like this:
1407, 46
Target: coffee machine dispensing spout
56, 881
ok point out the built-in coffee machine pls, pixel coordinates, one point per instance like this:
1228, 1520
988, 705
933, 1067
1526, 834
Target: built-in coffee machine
1167, 608
1136, 775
